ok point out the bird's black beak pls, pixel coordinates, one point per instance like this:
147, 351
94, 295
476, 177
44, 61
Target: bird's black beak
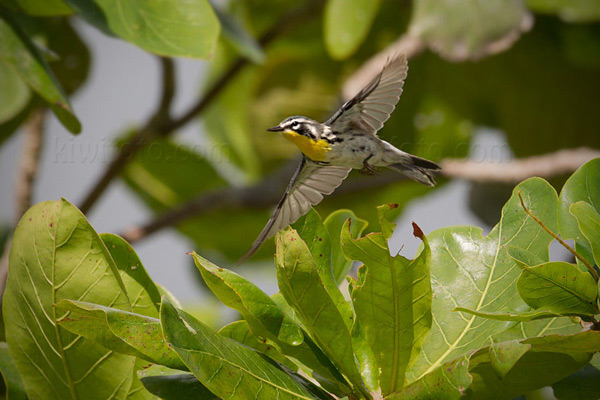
277, 128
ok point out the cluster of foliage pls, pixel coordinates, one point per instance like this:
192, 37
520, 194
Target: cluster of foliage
539, 86
84, 320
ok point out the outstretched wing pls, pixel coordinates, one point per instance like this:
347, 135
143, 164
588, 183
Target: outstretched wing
308, 186
372, 106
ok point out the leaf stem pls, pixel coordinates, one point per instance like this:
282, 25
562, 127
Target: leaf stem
562, 242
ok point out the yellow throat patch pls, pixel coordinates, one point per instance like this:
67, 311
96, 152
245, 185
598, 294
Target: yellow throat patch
313, 149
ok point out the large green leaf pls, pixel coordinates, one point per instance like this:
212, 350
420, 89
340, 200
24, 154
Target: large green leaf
265, 318
588, 220
144, 294
455, 29
12, 379
14, 93
39, 7
165, 27
447, 382
347, 23
559, 287
472, 271
305, 291
334, 223
171, 384
583, 185
57, 255
18, 51
224, 366
392, 300
118, 330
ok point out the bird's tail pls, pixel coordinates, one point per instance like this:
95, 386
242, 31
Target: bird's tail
418, 169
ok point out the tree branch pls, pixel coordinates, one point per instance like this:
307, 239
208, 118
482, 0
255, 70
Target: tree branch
144, 135
29, 161
267, 192
545, 166
161, 125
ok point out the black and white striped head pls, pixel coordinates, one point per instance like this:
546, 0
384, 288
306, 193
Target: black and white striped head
301, 125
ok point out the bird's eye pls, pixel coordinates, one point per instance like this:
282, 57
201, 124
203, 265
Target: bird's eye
295, 126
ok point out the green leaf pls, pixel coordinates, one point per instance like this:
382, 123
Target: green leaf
305, 291
39, 7
264, 317
12, 380
583, 342
505, 355
18, 51
313, 232
172, 384
583, 185
568, 10
447, 382
392, 300
14, 93
240, 332
334, 223
582, 385
558, 287
588, 220
472, 271
57, 255
257, 308
137, 390
526, 316
144, 294
533, 370
466, 37
237, 35
226, 367
165, 27
122, 331
347, 24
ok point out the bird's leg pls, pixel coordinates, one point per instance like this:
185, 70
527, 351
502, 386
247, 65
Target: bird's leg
367, 168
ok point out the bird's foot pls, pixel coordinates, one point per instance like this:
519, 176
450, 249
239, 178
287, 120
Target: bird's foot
368, 169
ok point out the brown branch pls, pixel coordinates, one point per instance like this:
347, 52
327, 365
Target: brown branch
562, 242
144, 135
29, 161
267, 192
546, 166
161, 125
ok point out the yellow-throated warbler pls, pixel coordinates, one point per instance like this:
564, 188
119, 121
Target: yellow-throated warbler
345, 141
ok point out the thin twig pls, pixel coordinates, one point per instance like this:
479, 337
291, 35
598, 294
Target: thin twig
29, 161
163, 127
562, 242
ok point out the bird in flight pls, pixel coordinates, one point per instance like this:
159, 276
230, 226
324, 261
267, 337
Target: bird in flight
348, 140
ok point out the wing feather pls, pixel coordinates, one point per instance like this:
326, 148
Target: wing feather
308, 186
372, 106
